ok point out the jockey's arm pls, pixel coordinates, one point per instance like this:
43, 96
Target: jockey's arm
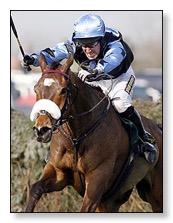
57, 53
113, 57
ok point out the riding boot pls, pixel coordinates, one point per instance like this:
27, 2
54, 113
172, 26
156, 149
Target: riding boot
149, 150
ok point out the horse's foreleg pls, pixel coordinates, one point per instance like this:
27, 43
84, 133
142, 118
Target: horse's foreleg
90, 201
51, 180
35, 193
95, 188
40, 187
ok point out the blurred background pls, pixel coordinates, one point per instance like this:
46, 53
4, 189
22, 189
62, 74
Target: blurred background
37, 30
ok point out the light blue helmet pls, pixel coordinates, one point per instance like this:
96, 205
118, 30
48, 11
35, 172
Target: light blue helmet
89, 26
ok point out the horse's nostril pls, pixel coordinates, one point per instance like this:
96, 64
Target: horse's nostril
44, 130
43, 134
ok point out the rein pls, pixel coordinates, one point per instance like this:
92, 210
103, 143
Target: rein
67, 104
92, 128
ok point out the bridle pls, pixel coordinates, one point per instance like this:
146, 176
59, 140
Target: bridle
56, 71
62, 119
68, 103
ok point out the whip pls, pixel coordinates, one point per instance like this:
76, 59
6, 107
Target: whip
16, 35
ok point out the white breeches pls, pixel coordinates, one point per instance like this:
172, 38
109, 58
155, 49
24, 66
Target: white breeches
119, 90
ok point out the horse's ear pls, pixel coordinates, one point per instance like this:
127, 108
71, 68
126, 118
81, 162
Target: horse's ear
42, 62
65, 67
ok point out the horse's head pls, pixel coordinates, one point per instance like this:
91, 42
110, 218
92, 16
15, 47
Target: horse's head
51, 98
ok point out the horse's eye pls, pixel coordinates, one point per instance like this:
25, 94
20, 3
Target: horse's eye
63, 91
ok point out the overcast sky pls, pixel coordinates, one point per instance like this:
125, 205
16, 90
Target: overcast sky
41, 29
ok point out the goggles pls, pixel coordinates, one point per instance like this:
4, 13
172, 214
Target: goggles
89, 45
88, 42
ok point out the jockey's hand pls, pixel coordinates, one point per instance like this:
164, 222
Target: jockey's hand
27, 61
85, 75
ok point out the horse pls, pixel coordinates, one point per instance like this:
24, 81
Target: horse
89, 146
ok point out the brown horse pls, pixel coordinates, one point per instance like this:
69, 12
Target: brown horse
89, 146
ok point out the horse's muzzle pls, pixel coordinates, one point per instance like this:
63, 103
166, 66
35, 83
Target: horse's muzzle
44, 134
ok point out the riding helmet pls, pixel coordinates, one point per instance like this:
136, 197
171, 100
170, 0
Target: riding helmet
88, 27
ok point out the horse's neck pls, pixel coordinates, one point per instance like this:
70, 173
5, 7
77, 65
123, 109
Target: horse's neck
87, 96
85, 100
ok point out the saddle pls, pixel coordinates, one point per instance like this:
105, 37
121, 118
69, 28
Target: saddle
131, 130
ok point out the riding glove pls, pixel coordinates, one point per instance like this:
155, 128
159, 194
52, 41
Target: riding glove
28, 60
83, 74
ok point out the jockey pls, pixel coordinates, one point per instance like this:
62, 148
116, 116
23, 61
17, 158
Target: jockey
105, 51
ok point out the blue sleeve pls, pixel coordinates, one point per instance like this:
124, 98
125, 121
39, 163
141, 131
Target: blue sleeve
57, 53
113, 57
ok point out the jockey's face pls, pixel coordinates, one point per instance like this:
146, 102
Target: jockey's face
92, 51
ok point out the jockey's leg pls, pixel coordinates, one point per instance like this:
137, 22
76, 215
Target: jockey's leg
149, 149
120, 91
121, 96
